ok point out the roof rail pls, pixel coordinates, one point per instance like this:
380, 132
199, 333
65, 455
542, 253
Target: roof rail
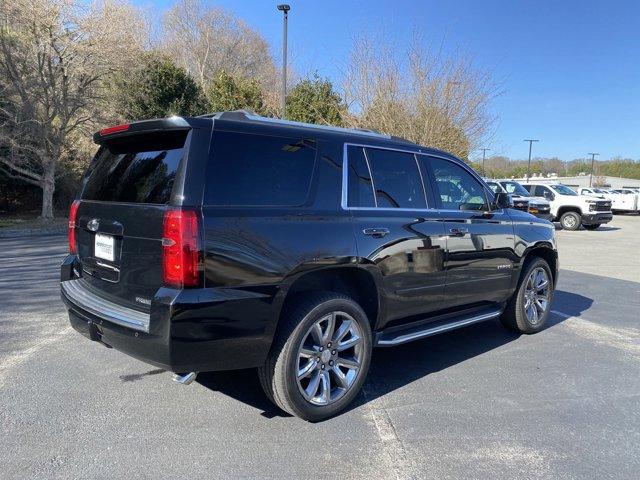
257, 118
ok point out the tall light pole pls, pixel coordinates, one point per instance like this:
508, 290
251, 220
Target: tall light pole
593, 157
484, 151
285, 9
529, 164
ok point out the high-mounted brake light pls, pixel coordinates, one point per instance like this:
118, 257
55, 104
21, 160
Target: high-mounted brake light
118, 128
73, 212
181, 249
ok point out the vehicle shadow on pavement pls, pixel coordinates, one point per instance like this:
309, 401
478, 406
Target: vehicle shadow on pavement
394, 368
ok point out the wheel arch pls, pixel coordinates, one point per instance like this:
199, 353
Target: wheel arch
545, 251
359, 281
568, 208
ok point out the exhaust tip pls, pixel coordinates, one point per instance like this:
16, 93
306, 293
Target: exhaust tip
185, 378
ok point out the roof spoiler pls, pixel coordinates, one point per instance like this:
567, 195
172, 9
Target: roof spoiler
126, 129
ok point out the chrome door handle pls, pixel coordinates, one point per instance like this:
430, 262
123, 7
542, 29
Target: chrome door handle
376, 232
458, 232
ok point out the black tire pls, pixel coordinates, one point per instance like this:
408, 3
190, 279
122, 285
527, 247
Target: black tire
594, 226
570, 221
278, 376
514, 317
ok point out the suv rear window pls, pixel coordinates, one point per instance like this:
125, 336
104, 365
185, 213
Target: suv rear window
135, 169
259, 170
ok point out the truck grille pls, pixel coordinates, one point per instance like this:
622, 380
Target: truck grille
603, 206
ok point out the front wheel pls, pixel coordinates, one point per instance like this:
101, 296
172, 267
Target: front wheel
528, 308
320, 357
594, 226
570, 221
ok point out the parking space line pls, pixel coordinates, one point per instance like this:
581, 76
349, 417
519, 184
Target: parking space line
16, 359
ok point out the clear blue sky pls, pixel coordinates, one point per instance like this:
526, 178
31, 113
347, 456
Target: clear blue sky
570, 69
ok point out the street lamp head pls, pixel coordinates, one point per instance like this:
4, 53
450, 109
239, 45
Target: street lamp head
284, 7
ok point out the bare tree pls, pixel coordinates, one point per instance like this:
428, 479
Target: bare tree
55, 57
420, 95
206, 40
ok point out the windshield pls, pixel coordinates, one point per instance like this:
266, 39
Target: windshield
599, 190
515, 187
564, 190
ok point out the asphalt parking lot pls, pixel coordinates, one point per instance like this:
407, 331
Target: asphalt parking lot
475, 403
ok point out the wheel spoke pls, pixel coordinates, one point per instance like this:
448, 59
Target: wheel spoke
348, 363
308, 353
351, 342
316, 333
344, 328
534, 314
312, 388
307, 369
340, 377
325, 394
331, 324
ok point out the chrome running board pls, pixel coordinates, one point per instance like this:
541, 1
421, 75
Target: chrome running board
398, 337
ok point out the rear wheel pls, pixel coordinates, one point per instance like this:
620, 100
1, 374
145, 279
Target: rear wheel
528, 308
320, 357
594, 226
570, 221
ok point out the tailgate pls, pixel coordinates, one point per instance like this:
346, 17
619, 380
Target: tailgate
119, 222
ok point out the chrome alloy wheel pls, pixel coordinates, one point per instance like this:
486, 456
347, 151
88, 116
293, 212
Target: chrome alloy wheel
536, 295
329, 358
569, 222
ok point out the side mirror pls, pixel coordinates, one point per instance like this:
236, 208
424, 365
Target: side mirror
502, 200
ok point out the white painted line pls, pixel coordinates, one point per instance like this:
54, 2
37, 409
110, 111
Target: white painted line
560, 314
16, 359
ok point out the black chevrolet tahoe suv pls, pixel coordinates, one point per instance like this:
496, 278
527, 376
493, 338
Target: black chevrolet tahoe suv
233, 241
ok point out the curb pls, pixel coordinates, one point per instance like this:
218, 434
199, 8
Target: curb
30, 232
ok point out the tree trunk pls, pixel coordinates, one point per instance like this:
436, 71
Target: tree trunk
48, 187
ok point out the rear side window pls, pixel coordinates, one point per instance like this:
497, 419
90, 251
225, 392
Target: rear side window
384, 179
135, 169
360, 185
259, 170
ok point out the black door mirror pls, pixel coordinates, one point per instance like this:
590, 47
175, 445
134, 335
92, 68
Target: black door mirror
502, 200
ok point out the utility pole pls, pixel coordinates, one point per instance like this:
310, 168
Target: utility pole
285, 9
529, 164
593, 158
484, 151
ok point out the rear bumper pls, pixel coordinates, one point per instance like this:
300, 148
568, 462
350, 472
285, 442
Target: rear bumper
596, 217
188, 330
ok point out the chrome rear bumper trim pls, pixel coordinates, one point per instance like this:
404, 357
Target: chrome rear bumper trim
77, 294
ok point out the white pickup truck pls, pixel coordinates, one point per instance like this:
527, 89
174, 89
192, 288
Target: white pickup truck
621, 200
570, 208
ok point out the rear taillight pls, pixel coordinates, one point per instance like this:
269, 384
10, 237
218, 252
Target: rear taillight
73, 212
180, 249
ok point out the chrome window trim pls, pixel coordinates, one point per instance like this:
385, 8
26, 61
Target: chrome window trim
78, 295
345, 179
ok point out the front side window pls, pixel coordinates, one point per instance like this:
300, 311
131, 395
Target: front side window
456, 187
259, 170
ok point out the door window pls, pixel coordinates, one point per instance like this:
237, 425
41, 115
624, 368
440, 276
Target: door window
396, 179
456, 188
544, 192
360, 186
